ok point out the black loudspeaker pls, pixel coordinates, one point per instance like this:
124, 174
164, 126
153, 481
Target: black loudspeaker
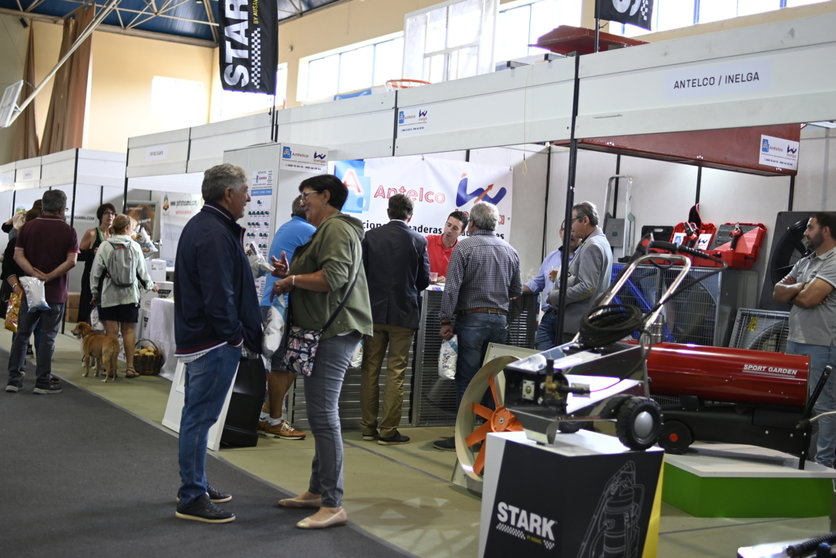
787, 248
241, 426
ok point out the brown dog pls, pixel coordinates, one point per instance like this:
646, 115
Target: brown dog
99, 347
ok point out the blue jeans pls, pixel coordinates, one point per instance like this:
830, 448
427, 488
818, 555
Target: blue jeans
48, 322
823, 448
544, 338
474, 332
322, 396
208, 380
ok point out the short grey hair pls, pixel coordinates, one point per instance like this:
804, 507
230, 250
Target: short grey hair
53, 201
220, 177
587, 209
484, 215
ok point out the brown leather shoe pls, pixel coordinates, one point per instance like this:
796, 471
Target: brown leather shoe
283, 430
338, 518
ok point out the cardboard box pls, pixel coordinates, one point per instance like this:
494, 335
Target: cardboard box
71, 314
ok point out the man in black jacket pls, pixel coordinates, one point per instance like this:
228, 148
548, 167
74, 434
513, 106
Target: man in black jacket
215, 314
397, 270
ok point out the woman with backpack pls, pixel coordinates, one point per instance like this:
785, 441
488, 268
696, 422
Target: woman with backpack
120, 262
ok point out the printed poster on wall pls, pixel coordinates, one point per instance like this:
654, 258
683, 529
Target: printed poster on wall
176, 211
436, 187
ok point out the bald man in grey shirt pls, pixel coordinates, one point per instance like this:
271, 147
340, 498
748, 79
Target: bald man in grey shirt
590, 270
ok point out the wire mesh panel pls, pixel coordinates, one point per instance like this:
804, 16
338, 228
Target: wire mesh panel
701, 314
692, 314
350, 411
641, 290
761, 330
434, 398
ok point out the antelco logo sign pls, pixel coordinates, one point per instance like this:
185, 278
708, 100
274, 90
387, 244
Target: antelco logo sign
525, 525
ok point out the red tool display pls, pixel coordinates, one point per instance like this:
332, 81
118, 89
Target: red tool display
693, 235
738, 244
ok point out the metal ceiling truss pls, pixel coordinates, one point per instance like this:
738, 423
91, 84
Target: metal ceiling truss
186, 21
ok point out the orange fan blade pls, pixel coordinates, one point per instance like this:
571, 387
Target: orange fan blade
482, 411
479, 464
514, 425
478, 435
494, 391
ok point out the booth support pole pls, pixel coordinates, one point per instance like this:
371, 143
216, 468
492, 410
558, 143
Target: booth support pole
570, 201
791, 198
699, 185
546, 204
615, 186
274, 117
75, 187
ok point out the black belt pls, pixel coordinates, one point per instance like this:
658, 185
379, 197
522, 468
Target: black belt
484, 311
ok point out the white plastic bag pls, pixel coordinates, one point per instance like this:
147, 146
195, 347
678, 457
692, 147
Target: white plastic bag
357, 357
35, 295
142, 238
273, 331
95, 322
447, 358
258, 265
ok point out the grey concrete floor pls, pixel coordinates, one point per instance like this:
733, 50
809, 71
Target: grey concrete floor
404, 493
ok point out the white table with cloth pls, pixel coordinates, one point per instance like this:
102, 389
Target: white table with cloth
160, 330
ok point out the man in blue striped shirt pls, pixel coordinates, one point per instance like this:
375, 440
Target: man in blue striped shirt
543, 283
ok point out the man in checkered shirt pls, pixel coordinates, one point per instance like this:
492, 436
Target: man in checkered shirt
482, 278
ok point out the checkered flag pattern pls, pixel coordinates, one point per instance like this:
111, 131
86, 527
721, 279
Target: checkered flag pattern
255, 42
645, 10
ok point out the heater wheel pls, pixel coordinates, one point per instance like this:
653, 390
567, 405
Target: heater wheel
639, 423
676, 437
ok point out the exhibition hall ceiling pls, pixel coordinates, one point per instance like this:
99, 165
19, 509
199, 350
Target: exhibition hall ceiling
176, 20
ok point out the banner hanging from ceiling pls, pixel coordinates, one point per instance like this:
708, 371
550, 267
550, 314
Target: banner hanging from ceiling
634, 12
249, 52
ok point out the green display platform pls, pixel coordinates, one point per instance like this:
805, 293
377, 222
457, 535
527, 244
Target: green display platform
735, 480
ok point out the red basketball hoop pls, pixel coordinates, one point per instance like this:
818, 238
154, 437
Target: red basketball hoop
393, 84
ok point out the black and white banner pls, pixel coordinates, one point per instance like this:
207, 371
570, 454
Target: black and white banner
634, 12
249, 35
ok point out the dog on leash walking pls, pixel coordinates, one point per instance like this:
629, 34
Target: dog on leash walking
98, 347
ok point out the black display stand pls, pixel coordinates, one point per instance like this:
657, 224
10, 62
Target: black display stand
241, 425
585, 497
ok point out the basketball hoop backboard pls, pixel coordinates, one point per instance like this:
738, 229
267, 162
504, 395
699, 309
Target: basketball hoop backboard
8, 105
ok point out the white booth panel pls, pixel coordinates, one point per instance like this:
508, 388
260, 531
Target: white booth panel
777, 73
179, 183
28, 173
356, 128
7, 176
208, 142
83, 166
521, 105
156, 154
